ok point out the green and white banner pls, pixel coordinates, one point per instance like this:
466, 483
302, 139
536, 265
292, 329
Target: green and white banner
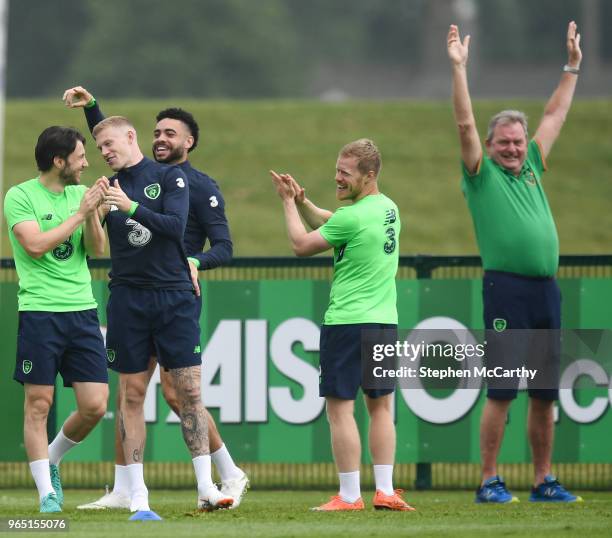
260, 343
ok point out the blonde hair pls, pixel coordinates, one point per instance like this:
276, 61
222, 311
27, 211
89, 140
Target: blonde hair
112, 121
367, 154
506, 117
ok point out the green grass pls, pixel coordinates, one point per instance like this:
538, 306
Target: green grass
241, 141
285, 513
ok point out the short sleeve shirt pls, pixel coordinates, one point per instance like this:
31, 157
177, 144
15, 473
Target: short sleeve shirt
515, 229
365, 237
58, 281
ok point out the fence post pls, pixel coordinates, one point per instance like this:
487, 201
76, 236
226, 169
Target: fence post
424, 268
423, 476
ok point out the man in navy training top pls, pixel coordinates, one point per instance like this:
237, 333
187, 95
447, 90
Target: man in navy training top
152, 304
175, 136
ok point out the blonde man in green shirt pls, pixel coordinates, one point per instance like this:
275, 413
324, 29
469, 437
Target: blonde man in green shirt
518, 243
364, 235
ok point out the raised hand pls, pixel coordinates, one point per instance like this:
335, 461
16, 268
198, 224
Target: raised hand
457, 51
76, 97
115, 196
91, 200
574, 54
284, 188
300, 195
103, 183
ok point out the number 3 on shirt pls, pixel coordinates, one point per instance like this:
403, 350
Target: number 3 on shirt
213, 201
180, 182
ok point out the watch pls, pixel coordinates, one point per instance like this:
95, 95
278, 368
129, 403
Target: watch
570, 69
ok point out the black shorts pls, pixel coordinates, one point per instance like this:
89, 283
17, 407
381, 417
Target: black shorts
530, 309
66, 342
146, 322
340, 358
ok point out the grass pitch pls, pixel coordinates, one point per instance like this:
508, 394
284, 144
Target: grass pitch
285, 513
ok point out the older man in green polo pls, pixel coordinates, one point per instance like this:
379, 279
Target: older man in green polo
518, 242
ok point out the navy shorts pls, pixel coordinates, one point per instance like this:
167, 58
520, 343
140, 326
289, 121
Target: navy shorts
146, 322
198, 307
523, 305
66, 342
340, 358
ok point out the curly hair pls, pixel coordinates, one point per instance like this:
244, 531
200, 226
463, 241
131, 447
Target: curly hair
185, 117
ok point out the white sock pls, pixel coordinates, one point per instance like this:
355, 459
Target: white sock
42, 477
122, 480
225, 464
202, 468
383, 477
59, 446
350, 489
138, 490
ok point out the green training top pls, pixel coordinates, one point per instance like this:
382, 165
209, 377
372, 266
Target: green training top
365, 236
59, 281
514, 227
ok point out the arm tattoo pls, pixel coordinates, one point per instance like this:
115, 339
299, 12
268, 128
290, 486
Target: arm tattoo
193, 419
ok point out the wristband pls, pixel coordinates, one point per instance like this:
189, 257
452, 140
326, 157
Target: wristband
195, 261
570, 69
91, 103
132, 209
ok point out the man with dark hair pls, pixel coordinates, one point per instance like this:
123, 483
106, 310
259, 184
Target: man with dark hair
175, 135
60, 142
53, 226
183, 116
518, 242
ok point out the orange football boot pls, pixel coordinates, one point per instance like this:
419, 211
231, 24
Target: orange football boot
336, 504
391, 502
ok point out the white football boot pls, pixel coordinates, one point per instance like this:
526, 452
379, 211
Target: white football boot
213, 499
110, 500
235, 488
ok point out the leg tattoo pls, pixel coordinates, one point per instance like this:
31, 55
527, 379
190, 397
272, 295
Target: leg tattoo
138, 453
193, 418
121, 427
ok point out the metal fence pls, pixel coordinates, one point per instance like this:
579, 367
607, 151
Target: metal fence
309, 476
439, 475
321, 268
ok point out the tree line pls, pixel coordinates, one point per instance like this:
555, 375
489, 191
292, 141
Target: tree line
253, 48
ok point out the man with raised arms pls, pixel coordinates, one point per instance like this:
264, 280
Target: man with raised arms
518, 242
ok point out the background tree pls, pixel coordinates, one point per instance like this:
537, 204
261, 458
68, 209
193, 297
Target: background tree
204, 48
43, 39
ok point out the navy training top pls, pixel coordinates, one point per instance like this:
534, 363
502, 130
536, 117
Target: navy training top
147, 248
206, 219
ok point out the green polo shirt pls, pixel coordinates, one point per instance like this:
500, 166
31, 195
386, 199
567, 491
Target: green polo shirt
514, 226
365, 236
